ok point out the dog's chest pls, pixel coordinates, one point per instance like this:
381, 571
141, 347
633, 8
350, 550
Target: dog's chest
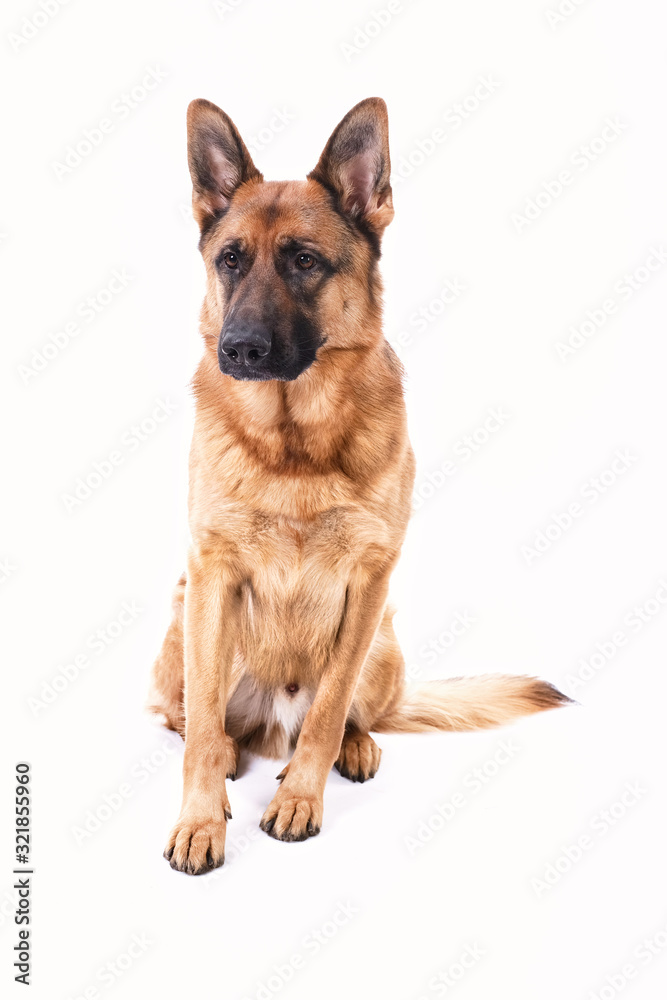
303, 569
294, 597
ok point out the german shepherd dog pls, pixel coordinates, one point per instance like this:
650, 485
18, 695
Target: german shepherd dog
301, 477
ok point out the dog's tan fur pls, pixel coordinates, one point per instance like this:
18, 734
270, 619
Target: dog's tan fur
300, 494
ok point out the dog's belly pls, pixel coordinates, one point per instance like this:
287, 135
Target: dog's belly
267, 719
287, 634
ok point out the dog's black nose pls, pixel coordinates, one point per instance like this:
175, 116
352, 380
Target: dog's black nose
245, 347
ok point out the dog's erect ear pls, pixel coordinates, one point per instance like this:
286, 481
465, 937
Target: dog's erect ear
218, 161
355, 164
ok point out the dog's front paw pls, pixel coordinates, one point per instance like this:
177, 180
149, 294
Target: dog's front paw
197, 846
291, 816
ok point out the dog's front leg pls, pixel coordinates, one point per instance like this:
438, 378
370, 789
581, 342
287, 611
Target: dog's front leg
296, 810
197, 842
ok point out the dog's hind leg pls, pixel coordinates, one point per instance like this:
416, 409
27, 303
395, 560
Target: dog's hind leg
166, 694
379, 687
359, 756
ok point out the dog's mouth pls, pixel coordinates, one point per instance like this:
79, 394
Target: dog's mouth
263, 373
259, 376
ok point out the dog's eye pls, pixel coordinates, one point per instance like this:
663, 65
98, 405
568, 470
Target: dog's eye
231, 260
305, 261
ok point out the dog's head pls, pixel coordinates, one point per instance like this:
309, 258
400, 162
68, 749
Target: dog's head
292, 265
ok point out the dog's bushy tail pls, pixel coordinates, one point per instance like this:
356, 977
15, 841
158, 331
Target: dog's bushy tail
464, 703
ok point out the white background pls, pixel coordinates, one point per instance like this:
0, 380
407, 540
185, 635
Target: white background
475, 881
